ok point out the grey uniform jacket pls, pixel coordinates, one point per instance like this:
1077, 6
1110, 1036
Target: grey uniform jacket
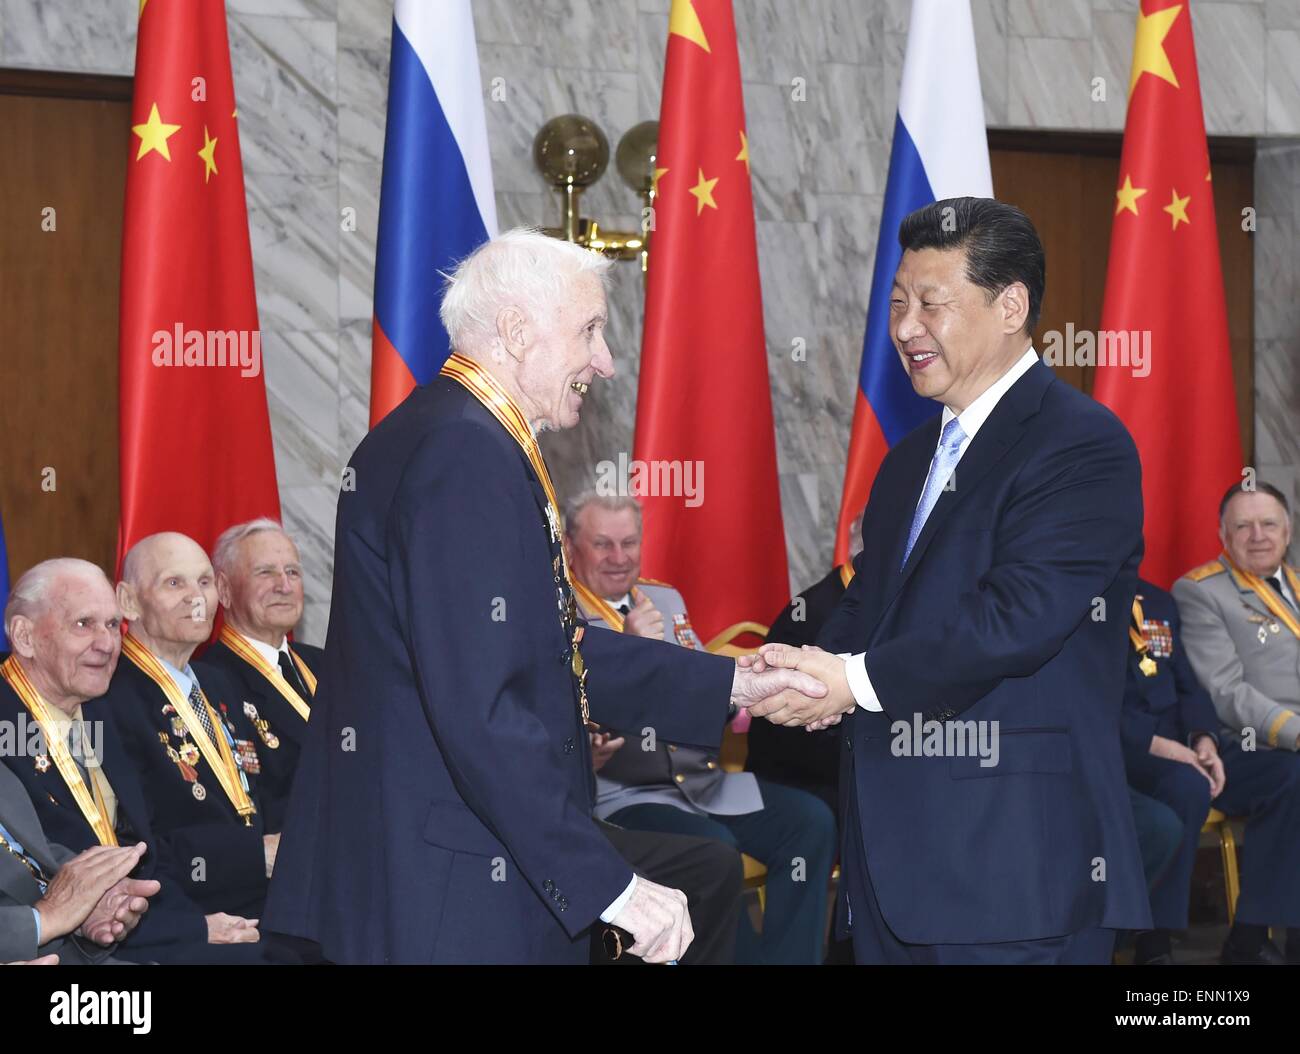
684, 777
1247, 658
19, 890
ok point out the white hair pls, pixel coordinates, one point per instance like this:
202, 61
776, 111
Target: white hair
31, 592
224, 552
608, 502
522, 268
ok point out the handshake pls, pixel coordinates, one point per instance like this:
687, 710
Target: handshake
793, 686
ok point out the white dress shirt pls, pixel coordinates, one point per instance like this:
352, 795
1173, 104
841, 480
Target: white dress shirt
971, 419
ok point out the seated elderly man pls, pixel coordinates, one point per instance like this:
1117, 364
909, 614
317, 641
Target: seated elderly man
185, 731
1241, 628
64, 623
259, 584
654, 786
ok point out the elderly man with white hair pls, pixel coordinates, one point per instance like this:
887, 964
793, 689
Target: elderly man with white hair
442, 808
184, 729
64, 622
58, 904
260, 587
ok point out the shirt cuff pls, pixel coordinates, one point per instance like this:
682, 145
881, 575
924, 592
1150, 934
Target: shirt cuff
855, 670
38, 927
611, 912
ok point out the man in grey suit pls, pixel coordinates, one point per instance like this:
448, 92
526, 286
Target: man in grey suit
1241, 627
57, 906
651, 786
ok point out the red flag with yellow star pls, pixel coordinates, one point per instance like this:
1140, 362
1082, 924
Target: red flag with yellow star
704, 428
1164, 301
195, 436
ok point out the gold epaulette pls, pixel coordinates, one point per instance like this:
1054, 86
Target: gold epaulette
652, 582
1214, 567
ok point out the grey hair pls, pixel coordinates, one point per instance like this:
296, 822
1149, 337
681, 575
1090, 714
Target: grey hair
608, 502
523, 268
32, 590
223, 553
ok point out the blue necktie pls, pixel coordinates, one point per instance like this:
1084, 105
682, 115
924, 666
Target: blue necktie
945, 460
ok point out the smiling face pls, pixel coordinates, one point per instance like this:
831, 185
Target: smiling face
173, 597
562, 354
263, 593
70, 648
953, 342
1255, 532
605, 550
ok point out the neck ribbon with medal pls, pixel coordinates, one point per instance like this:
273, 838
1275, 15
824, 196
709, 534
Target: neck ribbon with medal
1140, 644
1277, 607
497, 401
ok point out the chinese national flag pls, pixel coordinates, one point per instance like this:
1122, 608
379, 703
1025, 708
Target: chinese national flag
1164, 278
195, 436
704, 395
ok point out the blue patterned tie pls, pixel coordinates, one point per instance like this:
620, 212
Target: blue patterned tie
945, 460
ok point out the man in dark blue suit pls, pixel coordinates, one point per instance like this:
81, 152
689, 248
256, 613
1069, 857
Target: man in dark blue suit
979, 648
442, 807
1175, 752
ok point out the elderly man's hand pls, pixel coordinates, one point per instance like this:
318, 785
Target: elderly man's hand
118, 911
658, 919
231, 929
816, 712
603, 747
645, 620
45, 960
80, 884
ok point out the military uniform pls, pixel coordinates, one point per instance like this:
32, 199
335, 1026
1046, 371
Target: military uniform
277, 703
174, 929
1244, 643
683, 790
206, 817
1163, 698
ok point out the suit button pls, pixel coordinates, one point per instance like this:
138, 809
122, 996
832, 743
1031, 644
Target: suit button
672, 747
712, 764
680, 778
568, 746
848, 742
549, 886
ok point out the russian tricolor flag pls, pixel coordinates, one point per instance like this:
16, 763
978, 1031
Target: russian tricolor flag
436, 202
940, 151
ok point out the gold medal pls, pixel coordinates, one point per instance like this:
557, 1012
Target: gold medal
173, 756
1147, 666
189, 753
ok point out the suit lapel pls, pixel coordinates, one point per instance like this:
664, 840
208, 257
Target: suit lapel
1000, 432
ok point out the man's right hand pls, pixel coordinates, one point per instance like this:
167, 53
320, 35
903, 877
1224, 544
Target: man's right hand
658, 919
79, 885
1163, 747
270, 846
645, 620
231, 929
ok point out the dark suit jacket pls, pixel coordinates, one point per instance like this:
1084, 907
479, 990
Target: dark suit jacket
19, 890
442, 807
998, 616
189, 831
280, 762
1171, 703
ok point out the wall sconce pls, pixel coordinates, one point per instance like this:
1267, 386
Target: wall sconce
572, 153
